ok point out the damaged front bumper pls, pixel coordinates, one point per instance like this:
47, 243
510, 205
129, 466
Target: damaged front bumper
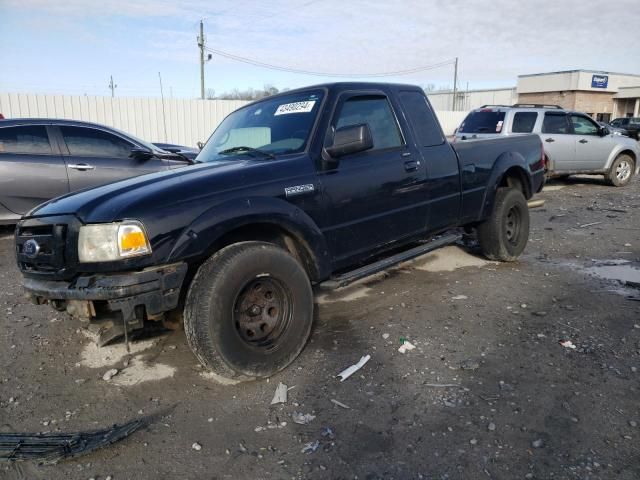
124, 299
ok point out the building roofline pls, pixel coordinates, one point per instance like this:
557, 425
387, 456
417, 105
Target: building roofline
578, 71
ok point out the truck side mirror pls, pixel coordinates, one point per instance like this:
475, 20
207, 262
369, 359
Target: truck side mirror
350, 139
603, 131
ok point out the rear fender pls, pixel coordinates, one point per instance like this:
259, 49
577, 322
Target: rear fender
508, 164
199, 239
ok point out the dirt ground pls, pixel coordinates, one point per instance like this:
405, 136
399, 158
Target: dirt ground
488, 392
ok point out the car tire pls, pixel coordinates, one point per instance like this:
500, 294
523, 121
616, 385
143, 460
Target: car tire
621, 171
249, 311
504, 235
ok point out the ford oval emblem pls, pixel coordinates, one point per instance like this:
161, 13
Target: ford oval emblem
31, 248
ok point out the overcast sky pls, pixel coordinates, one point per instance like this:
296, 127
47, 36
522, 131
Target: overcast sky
72, 46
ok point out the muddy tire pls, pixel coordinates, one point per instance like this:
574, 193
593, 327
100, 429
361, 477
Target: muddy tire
248, 311
504, 235
621, 171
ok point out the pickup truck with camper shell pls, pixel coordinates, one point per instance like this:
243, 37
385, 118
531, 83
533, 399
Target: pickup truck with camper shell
320, 185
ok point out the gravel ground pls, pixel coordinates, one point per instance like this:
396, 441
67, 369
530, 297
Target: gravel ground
488, 392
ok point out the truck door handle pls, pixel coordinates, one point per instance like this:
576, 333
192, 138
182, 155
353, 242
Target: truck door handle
583, 141
549, 140
83, 167
411, 165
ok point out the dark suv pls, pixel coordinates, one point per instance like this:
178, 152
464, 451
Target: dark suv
43, 158
630, 124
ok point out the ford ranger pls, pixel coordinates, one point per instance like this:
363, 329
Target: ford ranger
321, 185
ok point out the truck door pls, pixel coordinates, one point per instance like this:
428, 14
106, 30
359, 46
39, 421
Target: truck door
559, 141
377, 196
440, 162
592, 150
96, 157
31, 168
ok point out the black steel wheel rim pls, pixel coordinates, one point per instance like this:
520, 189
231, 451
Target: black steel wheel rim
513, 222
262, 312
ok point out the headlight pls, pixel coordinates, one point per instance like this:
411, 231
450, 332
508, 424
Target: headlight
112, 241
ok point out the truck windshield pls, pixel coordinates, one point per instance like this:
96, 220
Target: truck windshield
265, 129
483, 121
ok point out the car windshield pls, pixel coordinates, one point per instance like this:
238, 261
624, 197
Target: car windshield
139, 141
483, 121
265, 129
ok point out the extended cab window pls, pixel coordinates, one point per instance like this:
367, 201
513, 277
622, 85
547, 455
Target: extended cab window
555, 123
583, 126
26, 139
375, 111
523, 122
94, 143
483, 121
422, 119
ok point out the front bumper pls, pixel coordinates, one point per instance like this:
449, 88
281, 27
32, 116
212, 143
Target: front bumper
156, 289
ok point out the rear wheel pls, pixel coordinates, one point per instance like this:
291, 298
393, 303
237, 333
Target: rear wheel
249, 311
504, 235
621, 171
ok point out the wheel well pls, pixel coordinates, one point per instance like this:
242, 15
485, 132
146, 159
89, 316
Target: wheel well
271, 233
516, 177
630, 153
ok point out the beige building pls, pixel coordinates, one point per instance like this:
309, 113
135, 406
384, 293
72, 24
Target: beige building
603, 95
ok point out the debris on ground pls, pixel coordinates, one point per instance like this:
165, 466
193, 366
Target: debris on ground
385, 336
310, 447
49, 448
328, 432
406, 346
347, 372
196, 446
539, 443
459, 297
302, 418
469, 364
280, 395
110, 374
340, 404
567, 344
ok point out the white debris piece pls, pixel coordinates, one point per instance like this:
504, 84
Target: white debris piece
196, 446
310, 447
280, 395
406, 347
459, 297
302, 418
347, 372
568, 344
110, 374
385, 335
340, 404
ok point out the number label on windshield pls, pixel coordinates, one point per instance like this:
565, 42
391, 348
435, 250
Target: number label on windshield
297, 107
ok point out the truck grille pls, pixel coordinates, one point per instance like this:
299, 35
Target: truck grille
40, 248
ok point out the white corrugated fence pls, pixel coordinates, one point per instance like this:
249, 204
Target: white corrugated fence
187, 121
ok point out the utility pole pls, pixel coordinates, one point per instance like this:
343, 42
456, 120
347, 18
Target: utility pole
112, 87
201, 45
164, 118
455, 83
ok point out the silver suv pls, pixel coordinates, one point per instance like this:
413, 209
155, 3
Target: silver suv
573, 142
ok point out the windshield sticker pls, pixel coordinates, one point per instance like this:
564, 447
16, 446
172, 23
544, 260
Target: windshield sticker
297, 107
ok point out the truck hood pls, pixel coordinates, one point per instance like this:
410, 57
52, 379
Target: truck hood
154, 191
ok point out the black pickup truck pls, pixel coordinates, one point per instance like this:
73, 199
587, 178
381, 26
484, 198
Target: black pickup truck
325, 184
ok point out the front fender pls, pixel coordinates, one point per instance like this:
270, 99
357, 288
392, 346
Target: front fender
197, 239
505, 162
617, 150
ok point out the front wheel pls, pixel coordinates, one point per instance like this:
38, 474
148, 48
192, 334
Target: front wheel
504, 235
249, 311
621, 171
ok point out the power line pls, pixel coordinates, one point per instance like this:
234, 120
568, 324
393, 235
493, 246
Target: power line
281, 68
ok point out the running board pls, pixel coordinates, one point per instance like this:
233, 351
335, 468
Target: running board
362, 272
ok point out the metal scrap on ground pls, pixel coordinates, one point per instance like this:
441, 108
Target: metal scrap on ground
280, 395
52, 447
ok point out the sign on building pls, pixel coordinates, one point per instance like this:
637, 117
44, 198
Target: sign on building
600, 81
